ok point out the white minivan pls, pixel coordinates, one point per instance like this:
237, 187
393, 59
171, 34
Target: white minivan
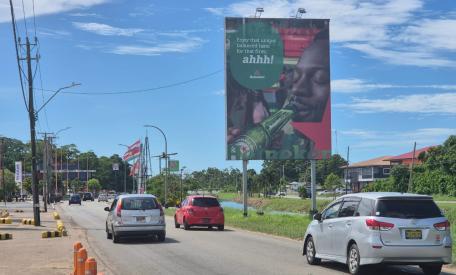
380, 228
135, 215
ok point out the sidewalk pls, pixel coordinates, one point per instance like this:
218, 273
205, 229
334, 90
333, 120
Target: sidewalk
28, 252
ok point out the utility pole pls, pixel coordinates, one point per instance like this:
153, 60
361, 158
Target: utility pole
3, 171
45, 170
411, 170
32, 118
348, 169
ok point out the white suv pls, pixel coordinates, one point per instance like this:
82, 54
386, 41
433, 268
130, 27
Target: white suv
380, 228
135, 215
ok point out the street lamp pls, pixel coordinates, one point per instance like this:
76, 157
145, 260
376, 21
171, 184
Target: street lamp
125, 168
182, 170
258, 11
56, 165
300, 12
166, 161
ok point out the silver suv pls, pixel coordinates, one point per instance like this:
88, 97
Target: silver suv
135, 215
380, 228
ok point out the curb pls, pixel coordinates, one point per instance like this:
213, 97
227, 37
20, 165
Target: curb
52, 234
56, 216
6, 220
6, 236
28, 221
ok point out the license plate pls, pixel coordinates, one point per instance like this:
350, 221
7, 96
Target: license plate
140, 219
413, 234
206, 220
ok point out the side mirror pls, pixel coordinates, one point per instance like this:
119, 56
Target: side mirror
317, 217
178, 205
106, 209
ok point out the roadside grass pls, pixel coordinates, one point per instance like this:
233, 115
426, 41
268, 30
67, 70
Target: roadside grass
290, 226
276, 204
450, 213
440, 197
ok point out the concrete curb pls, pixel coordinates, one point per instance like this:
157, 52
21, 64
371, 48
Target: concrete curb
6, 236
6, 220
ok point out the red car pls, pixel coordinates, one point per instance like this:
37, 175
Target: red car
200, 211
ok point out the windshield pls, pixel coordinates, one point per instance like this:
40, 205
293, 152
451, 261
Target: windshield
205, 202
138, 204
407, 209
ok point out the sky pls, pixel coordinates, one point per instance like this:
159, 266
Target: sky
393, 71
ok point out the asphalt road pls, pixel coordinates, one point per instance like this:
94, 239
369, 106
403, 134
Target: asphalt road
199, 251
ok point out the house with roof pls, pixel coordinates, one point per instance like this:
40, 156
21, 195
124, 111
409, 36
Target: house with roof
408, 158
359, 174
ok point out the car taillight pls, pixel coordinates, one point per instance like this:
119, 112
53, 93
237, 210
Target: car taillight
221, 209
377, 225
119, 209
442, 226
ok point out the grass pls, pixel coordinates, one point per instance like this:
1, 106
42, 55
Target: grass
277, 204
440, 197
450, 213
290, 226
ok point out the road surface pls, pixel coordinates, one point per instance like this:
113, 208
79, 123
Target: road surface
199, 251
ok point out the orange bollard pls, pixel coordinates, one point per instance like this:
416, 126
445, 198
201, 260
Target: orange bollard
76, 247
82, 257
91, 266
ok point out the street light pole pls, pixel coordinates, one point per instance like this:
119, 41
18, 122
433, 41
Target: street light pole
125, 170
182, 170
166, 159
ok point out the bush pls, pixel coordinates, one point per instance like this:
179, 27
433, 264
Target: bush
302, 191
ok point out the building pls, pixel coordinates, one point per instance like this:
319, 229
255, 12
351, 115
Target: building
358, 175
407, 158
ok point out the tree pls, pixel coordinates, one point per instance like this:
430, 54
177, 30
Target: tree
94, 185
400, 175
302, 191
9, 184
332, 182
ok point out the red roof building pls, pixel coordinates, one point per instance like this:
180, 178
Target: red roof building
406, 159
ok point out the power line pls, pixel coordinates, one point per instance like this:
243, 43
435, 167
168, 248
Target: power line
25, 21
143, 90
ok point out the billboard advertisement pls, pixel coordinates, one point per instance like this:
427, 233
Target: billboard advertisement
173, 165
277, 89
18, 172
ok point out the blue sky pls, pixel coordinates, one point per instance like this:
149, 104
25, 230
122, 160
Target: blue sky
392, 68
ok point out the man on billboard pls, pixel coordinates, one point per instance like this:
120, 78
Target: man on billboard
291, 119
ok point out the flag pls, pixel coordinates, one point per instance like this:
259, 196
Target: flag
133, 151
135, 168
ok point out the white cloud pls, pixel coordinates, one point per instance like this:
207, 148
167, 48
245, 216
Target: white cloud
443, 103
183, 46
432, 33
216, 11
45, 7
52, 32
107, 30
355, 85
220, 92
83, 14
420, 58
394, 139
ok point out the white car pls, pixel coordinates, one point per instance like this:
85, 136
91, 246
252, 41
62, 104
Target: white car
135, 215
380, 228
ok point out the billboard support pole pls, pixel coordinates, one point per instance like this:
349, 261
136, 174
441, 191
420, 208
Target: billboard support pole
313, 164
244, 185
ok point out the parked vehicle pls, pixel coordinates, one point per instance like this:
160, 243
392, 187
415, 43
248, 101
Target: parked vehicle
380, 228
102, 197
88, 197
74, 199
135, 215
200, 211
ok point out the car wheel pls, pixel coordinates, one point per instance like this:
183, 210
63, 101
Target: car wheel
353, 260
115, 238
161, 236
177, 225
221, 227
108, 235
431, 269
186, 226
311, 252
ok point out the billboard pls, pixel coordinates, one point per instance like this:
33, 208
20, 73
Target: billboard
173, 165
277, 89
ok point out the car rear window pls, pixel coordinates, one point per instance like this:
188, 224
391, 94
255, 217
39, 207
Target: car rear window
138, 204
408, 209
205, 202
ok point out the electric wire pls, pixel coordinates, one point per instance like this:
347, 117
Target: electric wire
17, 55
144, 90
25, 21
